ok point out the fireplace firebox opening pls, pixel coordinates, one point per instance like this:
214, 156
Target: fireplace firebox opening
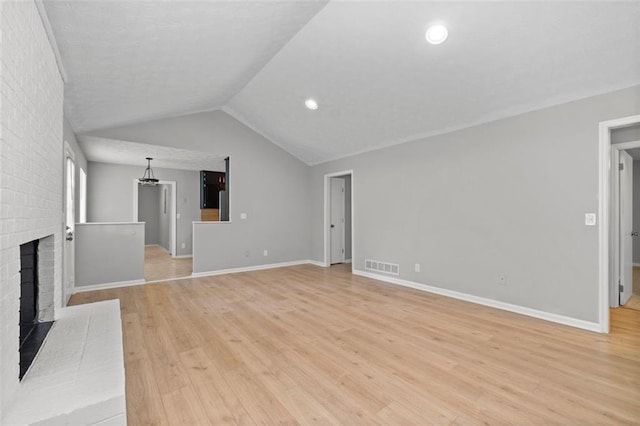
32, 331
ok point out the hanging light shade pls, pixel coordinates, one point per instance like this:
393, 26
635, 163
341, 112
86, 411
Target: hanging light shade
148, 178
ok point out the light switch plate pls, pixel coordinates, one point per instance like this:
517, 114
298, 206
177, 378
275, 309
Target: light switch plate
590, 219
243, 215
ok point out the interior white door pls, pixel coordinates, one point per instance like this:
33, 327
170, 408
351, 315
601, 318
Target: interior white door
337, 220
68, 269
626, 227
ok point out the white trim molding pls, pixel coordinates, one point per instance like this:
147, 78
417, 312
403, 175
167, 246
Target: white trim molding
560, 319
318, 263
82, 289
105, 286
249, 268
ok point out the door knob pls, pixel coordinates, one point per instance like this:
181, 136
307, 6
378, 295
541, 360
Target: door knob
634, 234
332, 225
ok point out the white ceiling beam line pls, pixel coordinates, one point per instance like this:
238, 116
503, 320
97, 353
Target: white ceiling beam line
52, 40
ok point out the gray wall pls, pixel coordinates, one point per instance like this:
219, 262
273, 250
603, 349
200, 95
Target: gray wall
109, 253
267, 183
626, 134
149, 213
507, 197
636, 210
110, 196
164, 209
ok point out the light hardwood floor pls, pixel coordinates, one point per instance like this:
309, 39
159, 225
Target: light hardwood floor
159, 265
312, 345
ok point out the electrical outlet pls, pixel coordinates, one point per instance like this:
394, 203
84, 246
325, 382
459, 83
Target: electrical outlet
246, 253
184, 245
417, 267
502, 279
178, 217
265, 253
243, 215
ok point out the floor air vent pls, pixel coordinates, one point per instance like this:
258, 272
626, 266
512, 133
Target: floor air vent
387, 268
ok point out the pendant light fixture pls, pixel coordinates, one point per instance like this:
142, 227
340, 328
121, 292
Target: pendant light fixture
148, 179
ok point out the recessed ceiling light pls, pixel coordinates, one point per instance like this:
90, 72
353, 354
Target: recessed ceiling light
437, 34
311, 104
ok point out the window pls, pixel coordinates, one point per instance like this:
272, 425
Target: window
83, 196
69, 195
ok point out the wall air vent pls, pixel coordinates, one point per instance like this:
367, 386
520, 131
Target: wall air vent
384, 267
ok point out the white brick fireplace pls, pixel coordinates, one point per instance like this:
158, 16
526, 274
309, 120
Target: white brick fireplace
31, 155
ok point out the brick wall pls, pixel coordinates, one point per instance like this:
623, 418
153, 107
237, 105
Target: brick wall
31, 96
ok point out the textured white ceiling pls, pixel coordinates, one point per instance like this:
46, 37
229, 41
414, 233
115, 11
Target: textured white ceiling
132, 61
378, 82
376, 79
122, 152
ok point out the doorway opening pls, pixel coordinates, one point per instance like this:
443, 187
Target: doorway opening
625, 219
69, 207
338, 218
614, 243
156, 206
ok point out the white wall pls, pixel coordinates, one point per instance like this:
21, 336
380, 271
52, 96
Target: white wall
31, 117
110, 196
507, 197
266, 183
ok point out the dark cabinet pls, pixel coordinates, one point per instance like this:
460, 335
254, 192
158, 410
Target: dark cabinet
211, 184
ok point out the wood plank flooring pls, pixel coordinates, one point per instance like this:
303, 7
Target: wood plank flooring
305, 345
159, 265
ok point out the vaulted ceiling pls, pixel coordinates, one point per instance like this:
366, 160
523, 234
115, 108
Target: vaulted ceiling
375, 78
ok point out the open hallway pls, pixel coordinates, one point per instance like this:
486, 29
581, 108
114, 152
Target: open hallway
159, 265
306, 344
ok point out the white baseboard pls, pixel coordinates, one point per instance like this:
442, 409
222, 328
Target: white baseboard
347, 261
249, 268
317, 263
560, 319
183, 256
81, 289
105, 286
